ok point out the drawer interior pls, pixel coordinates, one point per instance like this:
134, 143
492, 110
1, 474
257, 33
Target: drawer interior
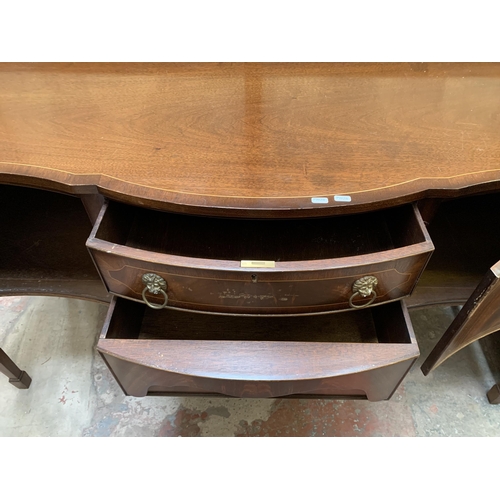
382, 324
262, 239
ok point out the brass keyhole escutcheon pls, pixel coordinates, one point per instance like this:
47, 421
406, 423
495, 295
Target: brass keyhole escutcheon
156, 285
364, 287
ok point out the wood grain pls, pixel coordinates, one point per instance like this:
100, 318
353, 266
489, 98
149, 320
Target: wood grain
462, 270
304, 281
257, 368
479, 317
252, 139
466, 246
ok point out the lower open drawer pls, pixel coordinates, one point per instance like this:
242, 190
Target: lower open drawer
363, 354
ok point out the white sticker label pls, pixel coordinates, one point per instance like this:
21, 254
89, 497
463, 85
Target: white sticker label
319, 200
339, 197
258, 263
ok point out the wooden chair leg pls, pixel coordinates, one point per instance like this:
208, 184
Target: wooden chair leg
494, 395
17, 377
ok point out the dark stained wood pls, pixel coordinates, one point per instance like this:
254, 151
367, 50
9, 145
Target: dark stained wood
463, 270
252, 139
480, 316
313, 358
17, 377
255, 141
428, 208
137, 380
466, 241
126, 323
315, 269
466, 246
284, 291
494, 395
427, 296
393, 324
158, 392
77, 289
93, 204
135, 320
280, 240
42, 245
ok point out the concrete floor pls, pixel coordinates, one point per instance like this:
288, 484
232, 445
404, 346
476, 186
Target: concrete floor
73, 393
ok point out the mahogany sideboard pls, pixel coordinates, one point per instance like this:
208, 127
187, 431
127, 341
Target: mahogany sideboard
258, 230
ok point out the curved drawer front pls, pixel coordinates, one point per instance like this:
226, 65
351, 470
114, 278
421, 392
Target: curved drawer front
361, 354
273, 292
290, 287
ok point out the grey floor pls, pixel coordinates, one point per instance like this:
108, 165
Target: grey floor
73, 394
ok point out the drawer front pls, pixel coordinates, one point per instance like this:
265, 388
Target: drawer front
138, 380
157, 358
257, 292
121, 249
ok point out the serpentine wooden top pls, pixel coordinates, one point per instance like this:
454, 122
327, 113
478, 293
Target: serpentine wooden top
265, 138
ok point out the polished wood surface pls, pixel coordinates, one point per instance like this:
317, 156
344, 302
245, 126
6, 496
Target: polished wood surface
480, 316
463, 270
262, 141
258, 138
466, 246
362, 353
317, 261
136, 379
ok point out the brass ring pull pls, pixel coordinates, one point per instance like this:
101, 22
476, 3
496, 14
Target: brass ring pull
154, 284
364, 287
364, 305
155, 306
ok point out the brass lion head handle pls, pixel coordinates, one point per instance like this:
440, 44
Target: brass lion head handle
364, 287
156, 285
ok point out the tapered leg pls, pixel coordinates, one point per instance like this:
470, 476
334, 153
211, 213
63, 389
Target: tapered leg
17, 377
494, 395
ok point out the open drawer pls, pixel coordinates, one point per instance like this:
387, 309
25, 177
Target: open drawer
363, 354
315, 264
